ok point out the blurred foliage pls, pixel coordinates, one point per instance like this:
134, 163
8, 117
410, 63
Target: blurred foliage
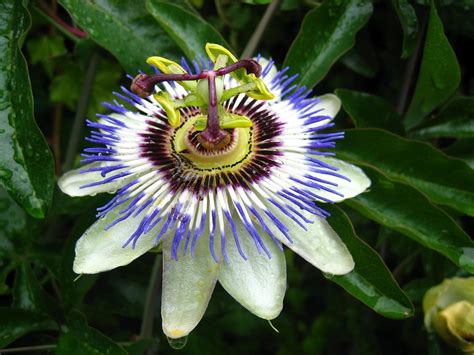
403, 70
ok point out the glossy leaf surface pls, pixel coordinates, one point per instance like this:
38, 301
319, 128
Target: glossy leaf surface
15, 323
455, 120
442, 179
407, 16
80, 338
188, 30
404, 209
327, 32
370, 281
26, 165
439, 73
124, 28
370, 111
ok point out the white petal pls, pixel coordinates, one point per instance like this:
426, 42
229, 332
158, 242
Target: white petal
100, 250
319, 244
70, 183
128, 121
258, 283
331, 104
358, 184
187, 287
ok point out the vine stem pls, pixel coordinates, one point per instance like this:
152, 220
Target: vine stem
154, 288
58, 111
262, 26
81, 112
412, 64
397, 271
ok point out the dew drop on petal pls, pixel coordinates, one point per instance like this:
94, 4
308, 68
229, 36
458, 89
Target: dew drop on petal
178, 343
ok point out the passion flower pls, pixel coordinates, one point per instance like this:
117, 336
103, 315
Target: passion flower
221, 163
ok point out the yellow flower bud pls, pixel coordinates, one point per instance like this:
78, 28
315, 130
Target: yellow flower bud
449, 311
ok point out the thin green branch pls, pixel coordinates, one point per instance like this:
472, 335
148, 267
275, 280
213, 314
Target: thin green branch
260, 30
81, 112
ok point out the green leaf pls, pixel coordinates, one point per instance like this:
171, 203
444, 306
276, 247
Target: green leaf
327, 32
45, 48
66, 87
26, 164
439, 73
124, 28
184, 4
455, 120
74, 290
407, 16
370, 111
392, 204
12, 217
462, 149
362, 58
80, 338
442, 179
370, 281
14, 323
28, 293
189, 31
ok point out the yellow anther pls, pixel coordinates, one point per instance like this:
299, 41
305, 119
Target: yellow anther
214, 50
235, 121
174, 116
261, 92
167, 66
226, 121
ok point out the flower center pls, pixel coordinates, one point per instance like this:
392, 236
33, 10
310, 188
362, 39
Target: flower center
187, 144
206, 91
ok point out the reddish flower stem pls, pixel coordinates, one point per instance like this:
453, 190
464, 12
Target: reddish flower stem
144, 85
74, 31
250, 65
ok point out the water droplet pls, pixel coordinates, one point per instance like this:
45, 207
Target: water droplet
29, 151
328, 275
439, 81
178, 343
